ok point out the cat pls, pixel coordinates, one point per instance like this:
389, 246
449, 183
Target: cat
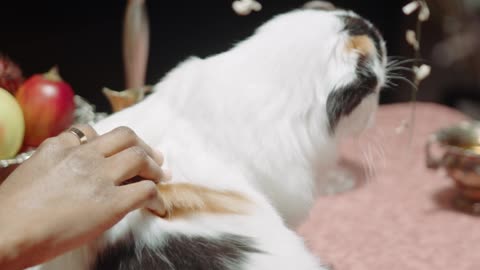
247, 134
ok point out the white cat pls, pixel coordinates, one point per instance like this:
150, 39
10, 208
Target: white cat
247, 134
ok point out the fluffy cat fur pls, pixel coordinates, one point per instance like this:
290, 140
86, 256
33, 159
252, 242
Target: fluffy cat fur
248, 134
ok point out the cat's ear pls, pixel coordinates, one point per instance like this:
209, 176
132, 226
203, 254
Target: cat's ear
319, 5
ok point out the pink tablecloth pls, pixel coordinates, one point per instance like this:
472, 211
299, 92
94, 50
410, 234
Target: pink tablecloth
400, 217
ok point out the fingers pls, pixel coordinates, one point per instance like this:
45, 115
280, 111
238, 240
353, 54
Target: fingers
69, 139
141, 194
120, 139
132, 162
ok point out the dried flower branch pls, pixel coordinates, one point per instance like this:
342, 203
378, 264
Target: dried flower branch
421, 72
245, 7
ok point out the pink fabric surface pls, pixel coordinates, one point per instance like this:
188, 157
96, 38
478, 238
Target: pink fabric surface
400, 216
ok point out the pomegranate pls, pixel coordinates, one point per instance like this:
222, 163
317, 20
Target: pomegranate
10, 75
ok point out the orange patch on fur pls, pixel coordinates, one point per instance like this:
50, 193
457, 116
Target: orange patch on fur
361, 44
183, 199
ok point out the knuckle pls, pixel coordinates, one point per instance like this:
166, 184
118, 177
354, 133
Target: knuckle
51, 145
77, 152
139, 153
48, 143
126, 133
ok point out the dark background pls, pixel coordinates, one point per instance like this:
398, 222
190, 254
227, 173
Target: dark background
84, 37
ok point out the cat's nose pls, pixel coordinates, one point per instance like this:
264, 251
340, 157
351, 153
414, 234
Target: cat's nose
321, 5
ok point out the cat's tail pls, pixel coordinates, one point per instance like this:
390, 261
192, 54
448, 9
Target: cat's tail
182, 199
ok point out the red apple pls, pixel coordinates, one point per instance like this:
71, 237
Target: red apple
48, 106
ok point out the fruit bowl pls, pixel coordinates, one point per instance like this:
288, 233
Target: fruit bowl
84, 114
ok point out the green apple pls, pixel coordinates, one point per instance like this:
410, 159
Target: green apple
12, 125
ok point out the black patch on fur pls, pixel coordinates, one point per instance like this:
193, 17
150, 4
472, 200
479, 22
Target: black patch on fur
342, 101
179, 252
356, 26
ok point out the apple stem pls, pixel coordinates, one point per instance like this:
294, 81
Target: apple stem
52, 75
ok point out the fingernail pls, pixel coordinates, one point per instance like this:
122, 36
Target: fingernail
157, 207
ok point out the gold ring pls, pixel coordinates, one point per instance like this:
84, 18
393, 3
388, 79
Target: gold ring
79, 134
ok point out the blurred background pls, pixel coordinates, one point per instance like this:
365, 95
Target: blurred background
85, 40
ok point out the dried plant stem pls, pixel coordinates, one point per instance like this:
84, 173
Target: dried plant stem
416, 81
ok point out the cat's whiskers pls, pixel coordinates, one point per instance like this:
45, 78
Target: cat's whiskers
373, 155
399, 68
404, 79
392, 63
367, 165
380, 149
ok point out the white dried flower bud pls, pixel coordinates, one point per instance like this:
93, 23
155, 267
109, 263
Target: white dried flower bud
256, 6
422, 72
424, 13
411, 38
410, 7
245, 7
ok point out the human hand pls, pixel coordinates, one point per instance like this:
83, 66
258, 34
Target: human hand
67, 194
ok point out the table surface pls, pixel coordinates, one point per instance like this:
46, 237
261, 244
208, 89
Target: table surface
400, 215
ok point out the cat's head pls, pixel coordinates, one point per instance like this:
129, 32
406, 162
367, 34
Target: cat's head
352, 102
330, 62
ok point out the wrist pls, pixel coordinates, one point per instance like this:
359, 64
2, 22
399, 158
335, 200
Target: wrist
11, 248
19, 242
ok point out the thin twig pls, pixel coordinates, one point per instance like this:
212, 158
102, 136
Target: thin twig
413, 101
